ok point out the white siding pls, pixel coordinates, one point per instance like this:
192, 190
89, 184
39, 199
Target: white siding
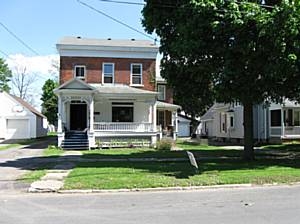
141, 112
13, 110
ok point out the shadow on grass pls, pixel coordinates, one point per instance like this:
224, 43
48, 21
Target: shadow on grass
208, 161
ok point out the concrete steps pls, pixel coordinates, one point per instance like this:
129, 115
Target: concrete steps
75, 140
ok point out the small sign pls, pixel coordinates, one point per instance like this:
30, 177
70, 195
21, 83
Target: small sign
192, 159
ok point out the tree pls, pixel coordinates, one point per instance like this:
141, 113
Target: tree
22, 84
49, 105
238, 51
5, 76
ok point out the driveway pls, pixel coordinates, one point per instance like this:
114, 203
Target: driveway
10, 173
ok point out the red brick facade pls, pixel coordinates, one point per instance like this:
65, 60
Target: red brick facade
121, 70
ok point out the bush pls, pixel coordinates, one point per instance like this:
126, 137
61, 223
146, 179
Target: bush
165, 144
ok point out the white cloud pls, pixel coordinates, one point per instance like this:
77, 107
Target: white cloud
39, 66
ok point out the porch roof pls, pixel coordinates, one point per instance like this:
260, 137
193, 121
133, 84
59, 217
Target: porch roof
121, 89
164, 105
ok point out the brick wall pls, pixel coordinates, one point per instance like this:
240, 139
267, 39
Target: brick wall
94, 69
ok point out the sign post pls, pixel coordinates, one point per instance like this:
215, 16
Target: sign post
193, 161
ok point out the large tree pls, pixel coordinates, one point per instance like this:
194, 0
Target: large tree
5, 76
49, 105
233, 51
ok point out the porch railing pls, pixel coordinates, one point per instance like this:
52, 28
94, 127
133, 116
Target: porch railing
290, 130
123, 127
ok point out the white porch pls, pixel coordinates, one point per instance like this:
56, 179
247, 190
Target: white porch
108, 112
285, 121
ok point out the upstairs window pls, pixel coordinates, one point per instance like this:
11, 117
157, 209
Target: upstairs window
108, 73
136, 74
79, 71
161, 89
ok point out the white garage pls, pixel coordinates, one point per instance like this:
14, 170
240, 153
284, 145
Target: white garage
183, 127
17, 129
19, 120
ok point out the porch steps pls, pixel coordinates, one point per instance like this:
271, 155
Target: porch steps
75, 140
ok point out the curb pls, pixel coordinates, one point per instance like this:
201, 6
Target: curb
167, 189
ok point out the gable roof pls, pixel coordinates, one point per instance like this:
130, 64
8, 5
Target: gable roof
27, 105
75, 84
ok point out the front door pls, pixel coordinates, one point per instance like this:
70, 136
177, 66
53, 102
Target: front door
78, 116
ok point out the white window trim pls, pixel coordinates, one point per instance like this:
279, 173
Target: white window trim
164, 92
131, 66
113, 72
74, 71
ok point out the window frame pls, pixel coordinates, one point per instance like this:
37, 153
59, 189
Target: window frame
75, 73
132, 75
113, 72
119, 106
163, 93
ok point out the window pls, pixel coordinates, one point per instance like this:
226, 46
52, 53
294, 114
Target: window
136, 74
275, 118
108, 73
122, 112
79, 71
161, 89
231, 121
161, 118
297, 118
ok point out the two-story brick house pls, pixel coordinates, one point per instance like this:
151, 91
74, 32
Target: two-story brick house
108, 89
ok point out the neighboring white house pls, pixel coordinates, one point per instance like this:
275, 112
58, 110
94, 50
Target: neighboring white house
273, 123
19, 120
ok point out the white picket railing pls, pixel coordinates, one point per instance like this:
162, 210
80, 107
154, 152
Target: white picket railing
123, 126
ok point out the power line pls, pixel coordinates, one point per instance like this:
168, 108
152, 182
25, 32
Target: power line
18, 38
114, 19
122, 2
4, 53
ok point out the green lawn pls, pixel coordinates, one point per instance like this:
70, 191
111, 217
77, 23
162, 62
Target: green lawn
114, 175
53, 151
32, 176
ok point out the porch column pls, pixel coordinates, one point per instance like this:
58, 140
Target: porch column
60, 133
91, 135
154, 116
59, 115
282, 123
175, 122
92, 114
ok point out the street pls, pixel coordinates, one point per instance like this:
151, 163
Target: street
280, 204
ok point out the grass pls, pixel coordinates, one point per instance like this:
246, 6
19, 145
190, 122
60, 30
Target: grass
9, 146
53, 151
114, 175
32, 176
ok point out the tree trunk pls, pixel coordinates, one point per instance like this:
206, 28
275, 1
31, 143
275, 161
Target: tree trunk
248, 131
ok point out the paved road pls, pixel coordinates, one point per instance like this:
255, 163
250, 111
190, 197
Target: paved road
14, 163
266, 205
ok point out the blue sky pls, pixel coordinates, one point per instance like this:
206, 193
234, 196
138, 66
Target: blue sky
41, 23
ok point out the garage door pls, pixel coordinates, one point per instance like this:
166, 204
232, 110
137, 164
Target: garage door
17, 128
183, 129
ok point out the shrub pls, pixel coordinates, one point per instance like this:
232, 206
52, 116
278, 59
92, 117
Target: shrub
165, 144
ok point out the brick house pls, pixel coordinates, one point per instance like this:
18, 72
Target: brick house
109, 92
